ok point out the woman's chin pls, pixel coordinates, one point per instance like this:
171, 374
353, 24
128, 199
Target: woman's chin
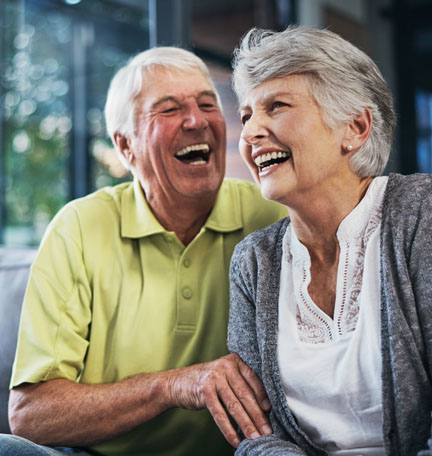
273, 193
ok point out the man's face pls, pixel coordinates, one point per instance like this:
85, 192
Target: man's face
179, 143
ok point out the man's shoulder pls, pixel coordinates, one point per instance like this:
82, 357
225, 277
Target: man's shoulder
102, 197
100, 208
245, 187
97, 203
252, 204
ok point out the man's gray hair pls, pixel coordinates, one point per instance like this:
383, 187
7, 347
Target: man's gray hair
126, 85
343, 80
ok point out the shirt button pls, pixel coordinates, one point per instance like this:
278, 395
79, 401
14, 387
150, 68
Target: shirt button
186, 263
187, 293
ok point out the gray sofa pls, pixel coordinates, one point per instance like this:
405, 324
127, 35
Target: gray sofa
14, 270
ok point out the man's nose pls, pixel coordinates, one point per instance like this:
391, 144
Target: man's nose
254, 130
195, 118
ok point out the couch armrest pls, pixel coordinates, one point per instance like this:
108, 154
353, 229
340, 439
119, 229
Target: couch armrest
14, 270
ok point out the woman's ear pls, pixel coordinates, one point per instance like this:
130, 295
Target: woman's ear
358, 131
123, 144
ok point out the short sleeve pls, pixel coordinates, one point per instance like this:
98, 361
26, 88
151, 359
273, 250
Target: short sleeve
56, 313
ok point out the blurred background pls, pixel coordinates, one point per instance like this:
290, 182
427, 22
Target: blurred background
57, 58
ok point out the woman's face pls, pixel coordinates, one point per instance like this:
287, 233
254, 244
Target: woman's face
287, 146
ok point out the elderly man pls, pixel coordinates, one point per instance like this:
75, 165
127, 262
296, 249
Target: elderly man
127, 303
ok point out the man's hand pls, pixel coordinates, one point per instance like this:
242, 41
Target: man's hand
61, 412
224, 385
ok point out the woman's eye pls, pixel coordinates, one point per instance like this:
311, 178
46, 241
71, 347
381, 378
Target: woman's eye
244, 118
277, 104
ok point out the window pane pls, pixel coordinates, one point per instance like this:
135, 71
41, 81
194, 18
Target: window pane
424, 130
119, 33
36, 116
106, 167
57, 62
418, 2
423, 41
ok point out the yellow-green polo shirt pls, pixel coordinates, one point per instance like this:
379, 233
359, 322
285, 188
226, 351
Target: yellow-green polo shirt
112, 294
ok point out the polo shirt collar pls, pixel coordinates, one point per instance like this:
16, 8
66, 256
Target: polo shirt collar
137, 219
226, 214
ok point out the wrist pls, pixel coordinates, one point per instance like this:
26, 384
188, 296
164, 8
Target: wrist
164, 387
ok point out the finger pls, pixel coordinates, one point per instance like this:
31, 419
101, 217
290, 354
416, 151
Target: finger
247, 399
256, 385
238, 407
222, 421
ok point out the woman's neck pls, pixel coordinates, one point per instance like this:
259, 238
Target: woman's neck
317, 220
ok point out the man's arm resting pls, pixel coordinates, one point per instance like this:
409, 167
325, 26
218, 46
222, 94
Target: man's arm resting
62, 412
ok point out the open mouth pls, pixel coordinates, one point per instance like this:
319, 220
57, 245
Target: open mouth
197, 154
266, 161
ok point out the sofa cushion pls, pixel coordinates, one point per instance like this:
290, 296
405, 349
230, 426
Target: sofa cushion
14, 270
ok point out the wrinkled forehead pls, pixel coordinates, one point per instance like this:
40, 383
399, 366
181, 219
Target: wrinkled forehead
165, 76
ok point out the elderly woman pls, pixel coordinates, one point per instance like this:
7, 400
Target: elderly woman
331, 307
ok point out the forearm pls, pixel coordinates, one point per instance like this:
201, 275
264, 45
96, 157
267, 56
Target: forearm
61, 412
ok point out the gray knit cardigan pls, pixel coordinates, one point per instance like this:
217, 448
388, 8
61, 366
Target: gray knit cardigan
406, 323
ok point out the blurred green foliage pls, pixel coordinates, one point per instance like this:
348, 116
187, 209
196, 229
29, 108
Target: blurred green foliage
37, 102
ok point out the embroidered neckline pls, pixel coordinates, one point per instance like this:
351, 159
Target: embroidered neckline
315, 326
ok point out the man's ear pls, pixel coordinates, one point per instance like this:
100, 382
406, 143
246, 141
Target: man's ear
358, 131
123, 144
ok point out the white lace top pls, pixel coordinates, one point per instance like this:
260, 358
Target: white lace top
331, 368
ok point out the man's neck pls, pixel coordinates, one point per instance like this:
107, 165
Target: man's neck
184, 216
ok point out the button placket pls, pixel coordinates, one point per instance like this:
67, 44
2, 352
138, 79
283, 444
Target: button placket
187, 289
187, 293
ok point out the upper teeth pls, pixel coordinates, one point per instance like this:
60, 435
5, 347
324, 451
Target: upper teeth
270, 156
187, 149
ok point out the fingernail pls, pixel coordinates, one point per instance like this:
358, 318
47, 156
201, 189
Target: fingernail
266, 429
254, 435
237, 442
266, 404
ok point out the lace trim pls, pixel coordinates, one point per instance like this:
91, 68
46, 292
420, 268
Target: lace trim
314, 326
311, 326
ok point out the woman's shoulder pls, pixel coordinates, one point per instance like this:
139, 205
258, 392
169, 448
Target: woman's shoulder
408, 198
263, 240
409, 188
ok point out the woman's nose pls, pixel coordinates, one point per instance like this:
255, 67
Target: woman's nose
254, 130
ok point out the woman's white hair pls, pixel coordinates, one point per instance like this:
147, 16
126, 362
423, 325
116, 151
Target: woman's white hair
128, 82
343, 80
